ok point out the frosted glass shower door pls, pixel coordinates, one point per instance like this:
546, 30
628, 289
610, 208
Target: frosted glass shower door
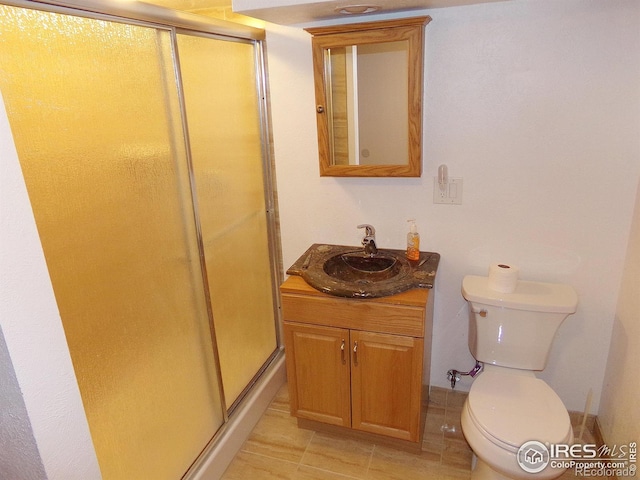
94, 111
223, 116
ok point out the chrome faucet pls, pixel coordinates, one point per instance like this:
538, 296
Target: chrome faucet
369, 240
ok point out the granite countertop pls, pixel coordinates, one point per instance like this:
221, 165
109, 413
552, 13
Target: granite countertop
344, 281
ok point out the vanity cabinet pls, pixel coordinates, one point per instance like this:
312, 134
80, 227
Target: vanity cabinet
361, 364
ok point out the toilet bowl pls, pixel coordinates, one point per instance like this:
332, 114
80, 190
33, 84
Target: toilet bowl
510, 416
506, 409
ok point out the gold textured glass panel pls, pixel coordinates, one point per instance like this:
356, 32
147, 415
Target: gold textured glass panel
220, 92
94, 112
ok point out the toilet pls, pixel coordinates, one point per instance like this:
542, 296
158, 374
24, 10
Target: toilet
508, 407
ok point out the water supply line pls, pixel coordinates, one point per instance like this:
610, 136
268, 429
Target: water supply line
454, 375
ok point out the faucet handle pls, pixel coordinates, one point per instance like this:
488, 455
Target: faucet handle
369, 230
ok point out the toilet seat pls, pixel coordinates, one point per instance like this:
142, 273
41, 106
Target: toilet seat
511, 409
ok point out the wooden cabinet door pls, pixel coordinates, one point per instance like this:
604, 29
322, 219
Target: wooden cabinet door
318, 373
386, 376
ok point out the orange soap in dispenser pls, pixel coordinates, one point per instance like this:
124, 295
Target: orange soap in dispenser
413, 242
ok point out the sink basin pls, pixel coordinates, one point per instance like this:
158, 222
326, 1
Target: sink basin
361, 268
349, 272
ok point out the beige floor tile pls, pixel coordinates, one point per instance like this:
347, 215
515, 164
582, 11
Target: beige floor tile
247, 466
433, 432
433, 451
277, 435
587, 436
310, 473
435, 417
338, 455
451, 474
281, 400
391, 464
452, 428
278, 449
438, 396
456, 399
456, 454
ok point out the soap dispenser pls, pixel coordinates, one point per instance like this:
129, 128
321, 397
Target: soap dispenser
413, 242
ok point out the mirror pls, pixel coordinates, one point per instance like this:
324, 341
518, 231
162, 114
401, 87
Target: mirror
368, 85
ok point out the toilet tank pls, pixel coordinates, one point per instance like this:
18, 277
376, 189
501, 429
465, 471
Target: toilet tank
516, 329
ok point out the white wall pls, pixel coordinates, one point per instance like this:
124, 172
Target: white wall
39, 358
535, 104
19, 457
619, 414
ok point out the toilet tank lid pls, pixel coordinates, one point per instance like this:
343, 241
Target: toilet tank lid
532, 296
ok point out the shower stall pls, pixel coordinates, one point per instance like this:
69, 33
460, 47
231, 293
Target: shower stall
144, 143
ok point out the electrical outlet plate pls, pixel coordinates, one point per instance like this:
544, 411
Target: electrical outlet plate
451, 194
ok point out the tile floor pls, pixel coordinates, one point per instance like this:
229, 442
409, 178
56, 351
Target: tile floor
278, 449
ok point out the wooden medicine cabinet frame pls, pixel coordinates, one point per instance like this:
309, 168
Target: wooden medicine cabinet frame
410, 30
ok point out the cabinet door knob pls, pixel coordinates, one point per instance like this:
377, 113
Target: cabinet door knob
342, 352
355, 352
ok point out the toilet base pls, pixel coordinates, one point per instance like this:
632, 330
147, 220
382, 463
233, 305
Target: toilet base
506, 460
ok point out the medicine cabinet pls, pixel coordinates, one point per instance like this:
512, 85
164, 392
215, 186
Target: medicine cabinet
368, 87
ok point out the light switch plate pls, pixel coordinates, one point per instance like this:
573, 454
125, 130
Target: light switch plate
451, 194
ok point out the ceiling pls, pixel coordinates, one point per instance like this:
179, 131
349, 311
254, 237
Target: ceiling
288, 12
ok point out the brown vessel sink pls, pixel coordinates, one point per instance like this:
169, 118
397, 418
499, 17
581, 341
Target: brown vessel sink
349, 272
361, 268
